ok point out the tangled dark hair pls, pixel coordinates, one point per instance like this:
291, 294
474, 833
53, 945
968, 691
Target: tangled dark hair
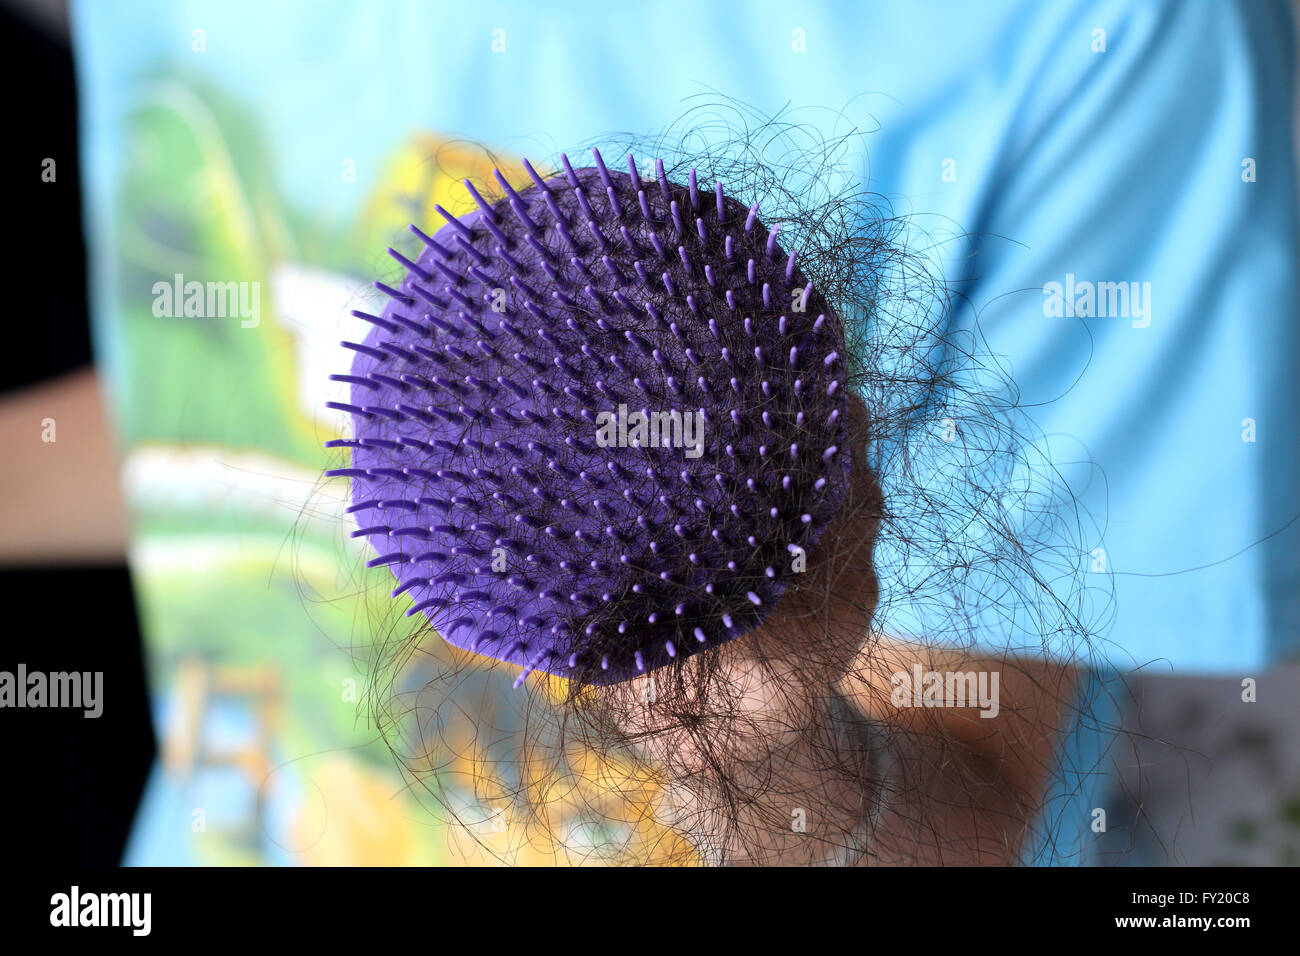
956, 543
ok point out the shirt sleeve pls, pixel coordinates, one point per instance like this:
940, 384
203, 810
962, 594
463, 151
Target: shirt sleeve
1132, 244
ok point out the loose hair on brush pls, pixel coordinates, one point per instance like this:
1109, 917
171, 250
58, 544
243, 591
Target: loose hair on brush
686, 624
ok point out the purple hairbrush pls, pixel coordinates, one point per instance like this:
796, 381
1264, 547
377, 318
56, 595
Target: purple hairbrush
596, 423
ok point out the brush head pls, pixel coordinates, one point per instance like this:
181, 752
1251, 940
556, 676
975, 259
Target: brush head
597, 423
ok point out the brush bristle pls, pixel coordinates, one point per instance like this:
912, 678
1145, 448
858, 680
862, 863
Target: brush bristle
481, 471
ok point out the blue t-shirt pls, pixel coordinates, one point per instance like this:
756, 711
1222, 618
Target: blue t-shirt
1109, 148
1109, 187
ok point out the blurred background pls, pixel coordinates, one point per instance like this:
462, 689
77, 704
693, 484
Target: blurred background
1198, 780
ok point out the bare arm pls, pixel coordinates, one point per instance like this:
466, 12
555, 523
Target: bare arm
797, 726
61, 494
